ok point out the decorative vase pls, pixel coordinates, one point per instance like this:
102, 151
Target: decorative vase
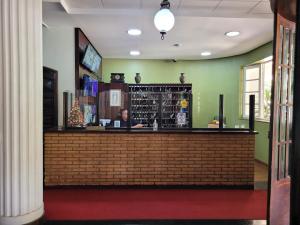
137, 78
182, 78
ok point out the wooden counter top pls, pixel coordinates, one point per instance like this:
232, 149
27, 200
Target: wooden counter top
162, 131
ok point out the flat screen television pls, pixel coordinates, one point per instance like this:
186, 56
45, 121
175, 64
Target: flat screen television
91, 59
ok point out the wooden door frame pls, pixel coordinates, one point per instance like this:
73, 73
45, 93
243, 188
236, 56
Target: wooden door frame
288, 10
271, 120
278, 20
295, 173
55, 78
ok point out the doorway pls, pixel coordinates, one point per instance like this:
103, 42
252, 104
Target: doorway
285, 143
50, 108
283, 149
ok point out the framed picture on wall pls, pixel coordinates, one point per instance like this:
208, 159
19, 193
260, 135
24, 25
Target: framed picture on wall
115, 97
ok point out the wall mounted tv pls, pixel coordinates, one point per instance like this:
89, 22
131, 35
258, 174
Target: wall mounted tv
91, 59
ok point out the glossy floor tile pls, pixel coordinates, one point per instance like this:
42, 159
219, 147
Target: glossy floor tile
260, 172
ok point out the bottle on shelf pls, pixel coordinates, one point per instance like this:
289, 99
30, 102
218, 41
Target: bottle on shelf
155, 125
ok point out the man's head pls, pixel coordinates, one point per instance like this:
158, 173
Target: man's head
124, 114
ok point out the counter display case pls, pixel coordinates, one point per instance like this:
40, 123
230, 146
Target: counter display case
169, 104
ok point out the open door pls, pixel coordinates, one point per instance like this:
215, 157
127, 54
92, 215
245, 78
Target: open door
281, 126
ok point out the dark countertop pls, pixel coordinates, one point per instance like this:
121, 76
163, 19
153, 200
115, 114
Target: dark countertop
164, 131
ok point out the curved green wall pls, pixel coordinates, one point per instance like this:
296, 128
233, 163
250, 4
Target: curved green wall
209, 78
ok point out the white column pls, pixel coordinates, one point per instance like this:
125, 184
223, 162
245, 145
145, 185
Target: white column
21, 137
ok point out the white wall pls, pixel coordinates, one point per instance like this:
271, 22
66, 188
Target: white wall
59, 54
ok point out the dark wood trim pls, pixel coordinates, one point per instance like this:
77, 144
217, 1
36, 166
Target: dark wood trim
55, 78
278, 194
78, 31
129, 111
168, 131
221, 111
154, 222
79, 35
65, 109
97, 108
191, 110
286, 8
50, 69
275, 42
77, 62
252, 112
295, 159
160, 84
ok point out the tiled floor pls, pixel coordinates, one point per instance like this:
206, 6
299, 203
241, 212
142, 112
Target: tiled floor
261, 172
261, 179
261, 176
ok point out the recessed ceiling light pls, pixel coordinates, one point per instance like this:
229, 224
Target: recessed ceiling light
134, 32
232, 33
135, 53
206, 53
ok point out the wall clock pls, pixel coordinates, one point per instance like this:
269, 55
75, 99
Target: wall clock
117, 78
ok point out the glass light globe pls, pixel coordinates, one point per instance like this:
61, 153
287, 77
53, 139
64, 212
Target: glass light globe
164, 20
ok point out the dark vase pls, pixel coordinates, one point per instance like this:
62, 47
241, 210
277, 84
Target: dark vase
138, 78
182, 78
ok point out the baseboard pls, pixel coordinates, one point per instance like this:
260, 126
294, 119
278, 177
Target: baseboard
160, 222
40, 221
33, 218
204, 187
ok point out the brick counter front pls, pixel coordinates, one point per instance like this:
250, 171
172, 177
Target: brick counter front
148, 158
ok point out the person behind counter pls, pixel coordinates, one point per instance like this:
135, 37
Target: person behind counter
124, 120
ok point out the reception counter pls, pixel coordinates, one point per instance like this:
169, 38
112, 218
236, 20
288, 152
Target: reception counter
143, 157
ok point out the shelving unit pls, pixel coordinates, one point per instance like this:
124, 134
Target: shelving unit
87, 103
162, 102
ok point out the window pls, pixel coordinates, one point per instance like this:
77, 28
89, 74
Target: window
258, 82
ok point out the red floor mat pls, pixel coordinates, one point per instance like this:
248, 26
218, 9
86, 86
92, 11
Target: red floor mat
154, 204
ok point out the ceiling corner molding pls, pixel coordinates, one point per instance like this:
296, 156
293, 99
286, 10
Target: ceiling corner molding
65, 6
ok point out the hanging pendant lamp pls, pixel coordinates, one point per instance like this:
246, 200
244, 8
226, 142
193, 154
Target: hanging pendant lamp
164, 19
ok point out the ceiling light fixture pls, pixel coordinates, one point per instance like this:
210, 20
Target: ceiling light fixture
206, 53
164, 19
135, 53
134, 32
232, 33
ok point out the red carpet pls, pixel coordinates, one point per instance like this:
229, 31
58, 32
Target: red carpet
154, 204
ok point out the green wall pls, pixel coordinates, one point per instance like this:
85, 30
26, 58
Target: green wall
262, 142
209, 78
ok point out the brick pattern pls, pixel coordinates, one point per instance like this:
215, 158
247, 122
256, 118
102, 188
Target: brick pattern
149, 159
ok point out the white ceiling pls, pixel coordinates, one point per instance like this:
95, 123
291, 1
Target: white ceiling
200, 26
